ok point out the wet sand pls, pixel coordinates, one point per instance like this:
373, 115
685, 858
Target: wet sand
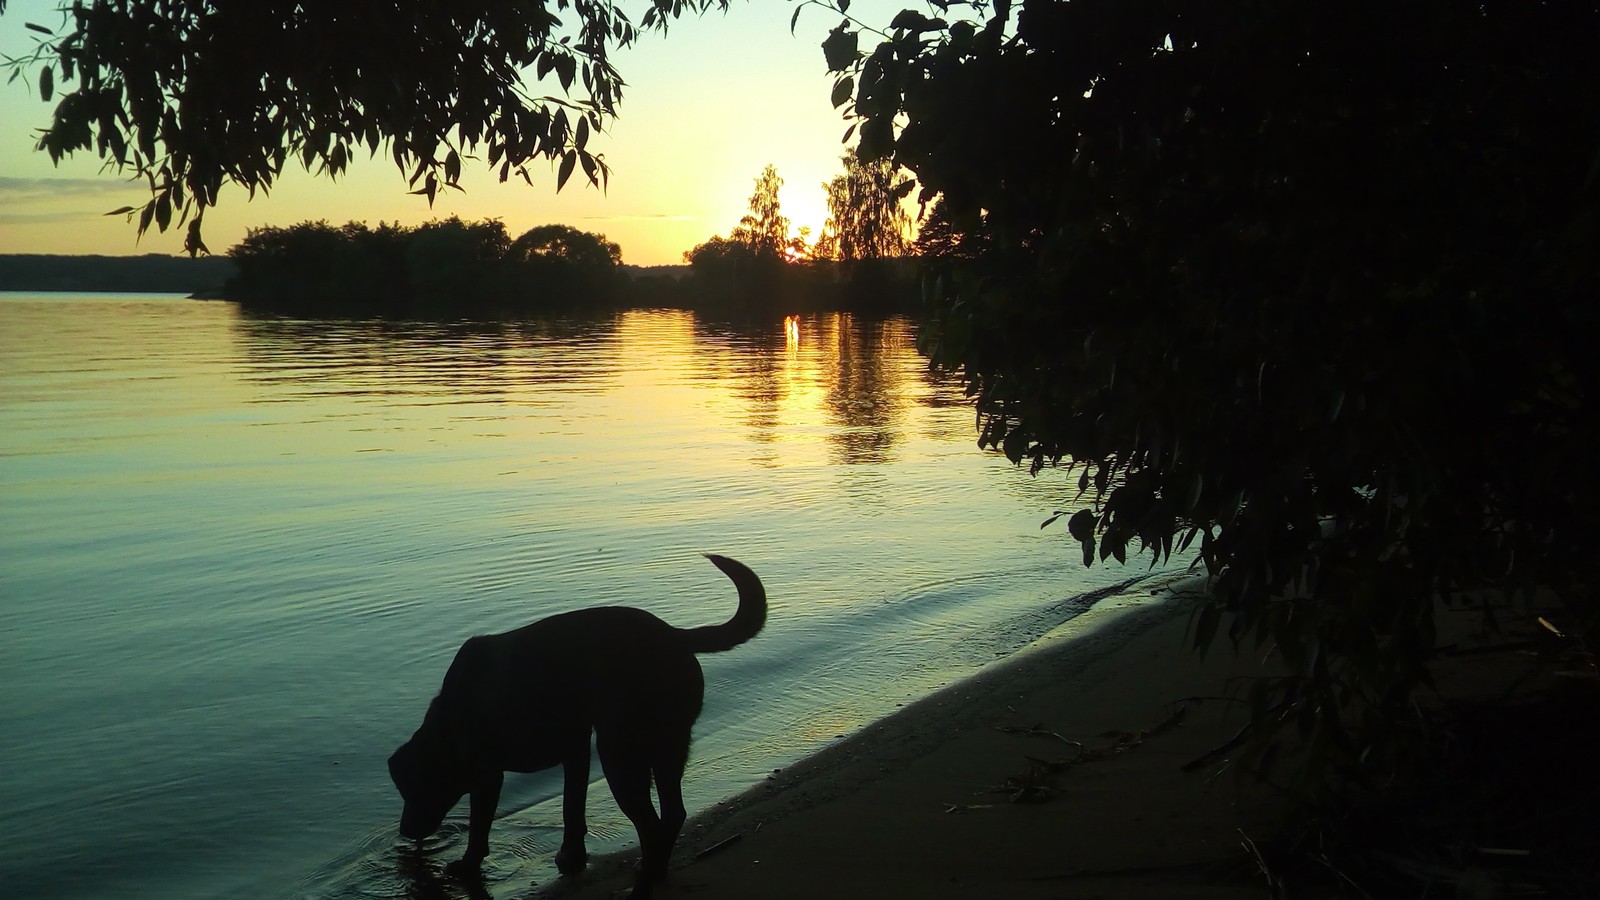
982, 789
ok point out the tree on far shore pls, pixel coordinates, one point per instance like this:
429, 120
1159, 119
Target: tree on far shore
764, 231
582, 249
865, 216
448, 268
761, 240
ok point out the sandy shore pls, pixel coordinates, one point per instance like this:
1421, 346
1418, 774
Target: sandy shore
982, 790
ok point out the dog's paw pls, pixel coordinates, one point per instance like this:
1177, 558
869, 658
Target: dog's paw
642, 886
465, 868
571, 862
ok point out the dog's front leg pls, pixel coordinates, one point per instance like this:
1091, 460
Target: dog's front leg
572, 856
485, 799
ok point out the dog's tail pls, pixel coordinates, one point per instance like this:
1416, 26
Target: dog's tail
745, 623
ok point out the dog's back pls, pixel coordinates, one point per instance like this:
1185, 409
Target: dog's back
620, 662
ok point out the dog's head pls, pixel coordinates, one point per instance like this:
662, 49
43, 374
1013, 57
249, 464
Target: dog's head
428, 769
428, 783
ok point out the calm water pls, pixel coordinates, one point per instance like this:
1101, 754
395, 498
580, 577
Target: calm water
236, 556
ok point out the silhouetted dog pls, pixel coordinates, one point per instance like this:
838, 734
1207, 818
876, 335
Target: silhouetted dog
528, 699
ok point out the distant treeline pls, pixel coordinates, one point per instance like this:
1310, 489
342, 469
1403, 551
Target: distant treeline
442, 269
150, 273
457, 269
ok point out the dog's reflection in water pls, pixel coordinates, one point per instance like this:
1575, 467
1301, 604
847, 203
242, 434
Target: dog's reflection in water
425, 879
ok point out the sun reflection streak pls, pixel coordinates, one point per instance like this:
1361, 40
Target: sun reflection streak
791, 332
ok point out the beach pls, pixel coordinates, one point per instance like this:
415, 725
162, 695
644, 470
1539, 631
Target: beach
1055, 773
1062, 773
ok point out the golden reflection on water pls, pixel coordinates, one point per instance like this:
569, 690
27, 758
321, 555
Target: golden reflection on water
836, 390
816, 390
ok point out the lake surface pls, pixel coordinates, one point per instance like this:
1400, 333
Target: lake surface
237, 555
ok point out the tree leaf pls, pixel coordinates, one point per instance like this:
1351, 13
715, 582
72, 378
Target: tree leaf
192, 244
1081, 525
839, 49
913, 21
877, 139
568, 161
842, 89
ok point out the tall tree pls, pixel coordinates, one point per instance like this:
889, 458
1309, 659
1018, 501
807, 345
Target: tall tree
865, 217
195, 94
761, 238
764, 231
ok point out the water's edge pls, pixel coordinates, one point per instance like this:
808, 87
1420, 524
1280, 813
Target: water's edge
1118, 615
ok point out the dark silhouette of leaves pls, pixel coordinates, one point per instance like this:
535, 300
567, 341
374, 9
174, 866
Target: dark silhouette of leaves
194, 95
1311, 284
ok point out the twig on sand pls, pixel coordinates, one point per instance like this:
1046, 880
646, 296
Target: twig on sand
1037, 730
1244, 734
719, 845
1034, 784
1273, 884
953, 808
1127, 740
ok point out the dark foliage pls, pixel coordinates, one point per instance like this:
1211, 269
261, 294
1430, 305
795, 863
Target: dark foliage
445, 269
192, 95
940, 239
1310, 288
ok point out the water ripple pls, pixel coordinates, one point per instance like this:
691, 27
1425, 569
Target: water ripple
237, 554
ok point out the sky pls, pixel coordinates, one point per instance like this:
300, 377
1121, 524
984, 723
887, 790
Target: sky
707, 107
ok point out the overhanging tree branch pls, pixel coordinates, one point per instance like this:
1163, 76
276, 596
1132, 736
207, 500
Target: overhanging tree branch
191, 95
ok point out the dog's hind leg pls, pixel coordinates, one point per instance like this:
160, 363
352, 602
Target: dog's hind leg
627, 770
671, 755
573, 856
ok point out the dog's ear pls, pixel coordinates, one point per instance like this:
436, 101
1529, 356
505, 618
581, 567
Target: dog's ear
468, 670
461, 698
403, 766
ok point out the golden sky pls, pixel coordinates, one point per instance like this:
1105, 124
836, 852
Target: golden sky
706, 108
